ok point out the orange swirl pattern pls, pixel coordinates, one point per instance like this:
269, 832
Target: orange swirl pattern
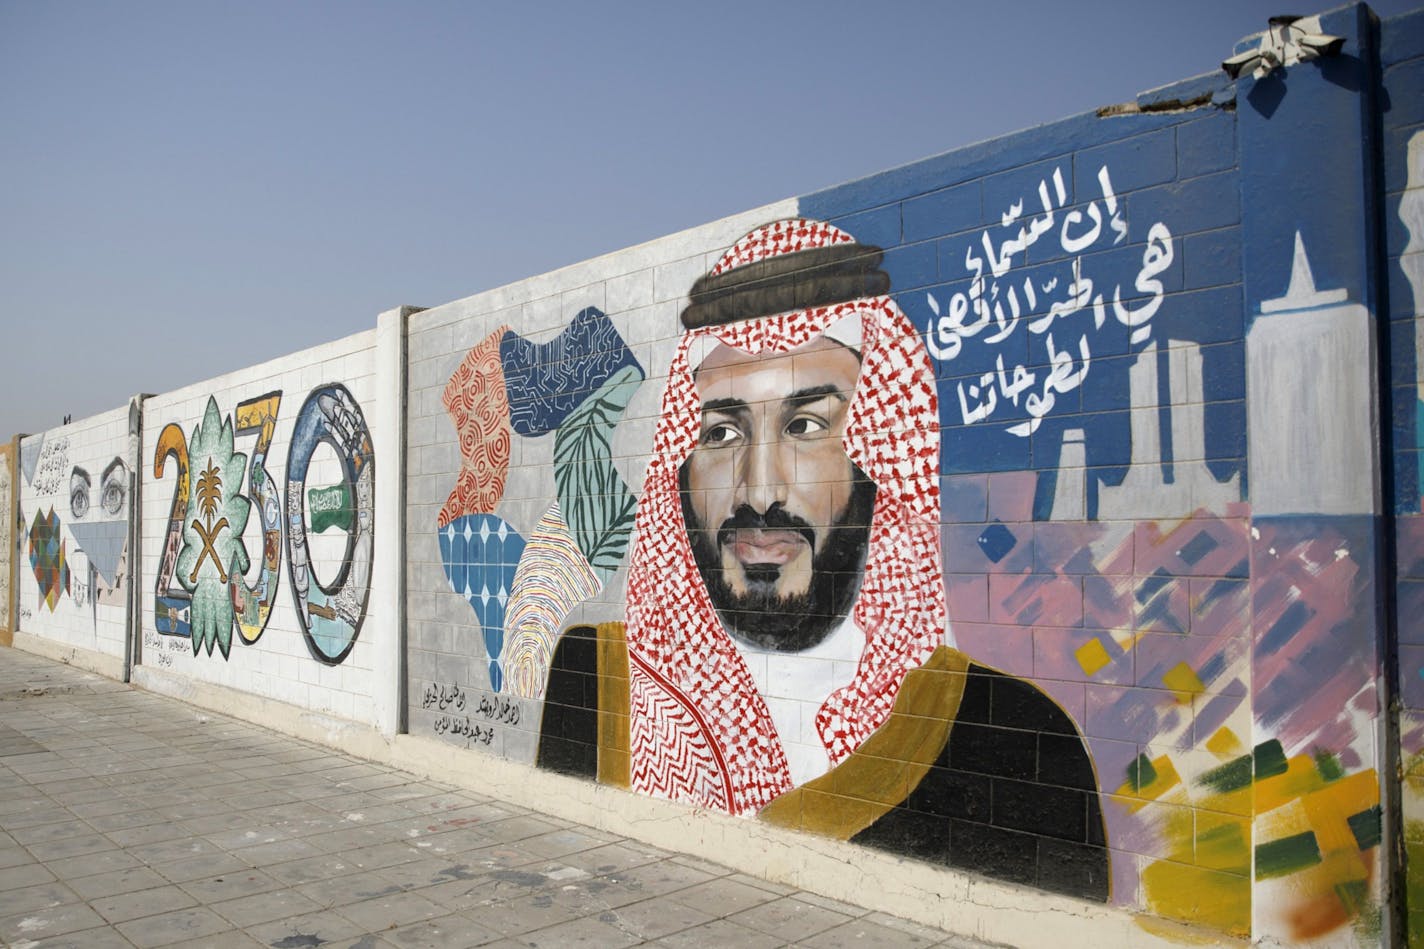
478, 404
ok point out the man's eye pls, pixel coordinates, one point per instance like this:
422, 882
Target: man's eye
720, 435
802, 425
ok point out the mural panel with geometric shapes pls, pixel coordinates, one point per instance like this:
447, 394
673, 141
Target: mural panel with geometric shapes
70, 534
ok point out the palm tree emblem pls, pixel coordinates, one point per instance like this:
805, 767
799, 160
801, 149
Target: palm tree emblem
209, 491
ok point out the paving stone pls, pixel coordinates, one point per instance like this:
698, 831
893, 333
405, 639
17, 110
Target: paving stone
789, 919
723, 897
445, 932
139, 903
34, 898
188, 925
719, 934
863, 932
42, 924
651, 919
264, 907
116, 882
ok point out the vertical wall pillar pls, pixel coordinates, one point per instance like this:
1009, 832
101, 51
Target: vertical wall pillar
1320, 646
9, 495
388, 569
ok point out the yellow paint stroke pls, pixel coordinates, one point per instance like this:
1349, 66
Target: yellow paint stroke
1183, 682
1167, 778
1225, 745
1092, 656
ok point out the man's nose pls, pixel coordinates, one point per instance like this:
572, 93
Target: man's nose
766, 470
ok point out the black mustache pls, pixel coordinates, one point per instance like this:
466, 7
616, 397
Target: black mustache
776, 518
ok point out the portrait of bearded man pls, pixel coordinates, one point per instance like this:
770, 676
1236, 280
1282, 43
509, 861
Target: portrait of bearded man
787, 650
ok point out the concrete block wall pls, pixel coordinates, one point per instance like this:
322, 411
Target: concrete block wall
1013, 529
1151, 366
287, 451
74, 499
1402, 72
8, 555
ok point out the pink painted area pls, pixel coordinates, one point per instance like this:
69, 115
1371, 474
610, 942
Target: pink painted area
1011, 495
1035, 600
1009, 648
968, 597
1409, 540
1107, 602
1220, 608
1128, 713
1055, 656
1311, 683
964, 499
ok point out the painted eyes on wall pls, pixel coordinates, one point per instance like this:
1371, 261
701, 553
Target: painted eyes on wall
78, 493
725, 434
114, 489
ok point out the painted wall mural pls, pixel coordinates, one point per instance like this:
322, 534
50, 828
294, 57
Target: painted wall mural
958, 531
575, 388
7, 540
206, 587
1404, 220
70, 536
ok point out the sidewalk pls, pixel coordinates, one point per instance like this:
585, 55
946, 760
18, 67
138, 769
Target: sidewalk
130, 819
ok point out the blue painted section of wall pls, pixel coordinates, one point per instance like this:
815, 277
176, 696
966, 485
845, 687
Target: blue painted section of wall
945, 223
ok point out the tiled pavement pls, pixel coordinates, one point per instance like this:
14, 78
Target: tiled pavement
131, 819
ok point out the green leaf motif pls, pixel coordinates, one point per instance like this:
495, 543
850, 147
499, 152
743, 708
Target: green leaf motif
213, 549
595, 501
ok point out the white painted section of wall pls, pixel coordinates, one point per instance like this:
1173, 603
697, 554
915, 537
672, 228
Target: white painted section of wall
388, 418
7, 539
1144, 492
279, 665
1311, 421
87, 609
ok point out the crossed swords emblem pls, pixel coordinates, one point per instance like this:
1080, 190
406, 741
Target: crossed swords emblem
210, 495
208, 537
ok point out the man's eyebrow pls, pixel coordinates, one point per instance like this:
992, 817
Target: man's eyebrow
725, 405
814, 394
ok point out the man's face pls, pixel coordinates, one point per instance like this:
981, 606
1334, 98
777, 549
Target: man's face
777, 513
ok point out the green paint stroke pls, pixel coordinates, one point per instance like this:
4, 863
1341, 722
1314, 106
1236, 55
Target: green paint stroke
1141, 773
1366, 826
330, 507
1329, 766
1268, 760
1286, 856
596, 503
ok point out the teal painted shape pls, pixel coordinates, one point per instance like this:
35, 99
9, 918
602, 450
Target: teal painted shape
594, 499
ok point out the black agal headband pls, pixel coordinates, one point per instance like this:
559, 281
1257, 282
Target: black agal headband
799, 280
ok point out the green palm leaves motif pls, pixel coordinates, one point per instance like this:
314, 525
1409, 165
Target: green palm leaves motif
595, 501
212, 534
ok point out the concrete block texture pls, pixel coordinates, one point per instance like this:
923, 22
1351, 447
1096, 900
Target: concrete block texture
1005, 526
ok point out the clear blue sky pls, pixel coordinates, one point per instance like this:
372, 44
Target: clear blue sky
191, 187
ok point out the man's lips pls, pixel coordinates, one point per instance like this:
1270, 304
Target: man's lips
756, 546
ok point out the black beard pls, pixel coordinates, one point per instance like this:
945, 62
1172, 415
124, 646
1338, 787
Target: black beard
760, 616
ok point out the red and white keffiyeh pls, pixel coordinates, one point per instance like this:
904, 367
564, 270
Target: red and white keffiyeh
700, 732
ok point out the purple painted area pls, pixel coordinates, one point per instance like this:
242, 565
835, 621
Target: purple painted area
1310, 595
964, 499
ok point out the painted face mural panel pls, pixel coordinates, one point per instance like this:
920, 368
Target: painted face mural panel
70, 535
